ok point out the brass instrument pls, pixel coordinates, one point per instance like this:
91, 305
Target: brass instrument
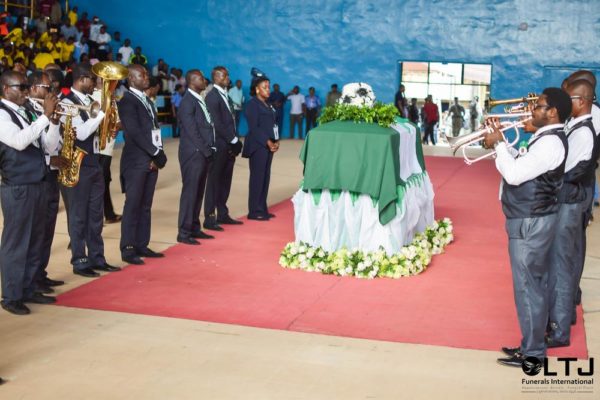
111, 73
522, 103
69, 176
64, 108
464, 141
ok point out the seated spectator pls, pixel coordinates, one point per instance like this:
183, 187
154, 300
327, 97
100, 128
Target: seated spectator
102, 40
67, 51
83, 25
126, 51
73, 15
137, 57
43, 58
68, 30
80, 47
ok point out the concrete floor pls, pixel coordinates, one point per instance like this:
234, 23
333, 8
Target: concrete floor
65, 353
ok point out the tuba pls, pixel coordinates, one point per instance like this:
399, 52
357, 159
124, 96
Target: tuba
111, 73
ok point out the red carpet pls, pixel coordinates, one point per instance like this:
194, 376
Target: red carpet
463, 300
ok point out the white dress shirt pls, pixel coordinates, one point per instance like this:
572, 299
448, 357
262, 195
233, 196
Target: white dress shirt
87, 128
13, 136
596, 118
547, 154
581, 142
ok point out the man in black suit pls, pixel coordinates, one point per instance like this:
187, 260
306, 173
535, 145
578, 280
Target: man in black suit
228, 148
22, 193
196, 151
141, 159
85, 200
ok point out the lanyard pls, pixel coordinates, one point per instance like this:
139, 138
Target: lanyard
148, 108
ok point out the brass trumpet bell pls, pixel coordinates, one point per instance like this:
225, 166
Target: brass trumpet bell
111, 73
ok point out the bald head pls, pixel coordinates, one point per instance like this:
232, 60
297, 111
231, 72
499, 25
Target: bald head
138, 77
582, 95
585, 75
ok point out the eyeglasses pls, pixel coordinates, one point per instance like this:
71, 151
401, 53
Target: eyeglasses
22, 86
43, 86
581, 97
541, 106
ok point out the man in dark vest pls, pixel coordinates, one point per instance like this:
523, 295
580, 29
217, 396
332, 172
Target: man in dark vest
196, 151
228, 148
141, 159
532, 178
568, 252
22, 193
85, 200
40, 86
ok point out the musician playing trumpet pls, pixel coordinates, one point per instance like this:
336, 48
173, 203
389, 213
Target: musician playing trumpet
532, 178
22, 192
40, 88
85, 201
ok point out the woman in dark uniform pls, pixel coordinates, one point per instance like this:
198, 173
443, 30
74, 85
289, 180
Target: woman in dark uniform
260, 144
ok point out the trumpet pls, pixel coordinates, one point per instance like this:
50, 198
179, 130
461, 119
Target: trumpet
64, 108
464, 141
522, 103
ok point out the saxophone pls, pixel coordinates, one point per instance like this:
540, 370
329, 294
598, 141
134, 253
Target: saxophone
69, 176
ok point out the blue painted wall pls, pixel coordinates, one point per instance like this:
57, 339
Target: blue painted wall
316, 43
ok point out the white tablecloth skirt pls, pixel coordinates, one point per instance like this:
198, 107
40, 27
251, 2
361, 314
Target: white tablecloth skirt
344, 223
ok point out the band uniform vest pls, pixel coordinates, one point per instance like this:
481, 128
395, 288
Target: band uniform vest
539, 196
21, 167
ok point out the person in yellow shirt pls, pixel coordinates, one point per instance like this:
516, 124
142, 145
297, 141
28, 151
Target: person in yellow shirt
67, 51
73, 15
7, 51
43, 58
56, 50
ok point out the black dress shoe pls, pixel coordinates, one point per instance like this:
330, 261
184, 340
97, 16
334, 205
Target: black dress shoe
227, 220
551, 343
187, 240
2, 381
39, 298
106, 267
201, 235
149, 253
51, 282
271, 215
113, 220
15, 307
511, 351
87, 272
44, 289
213, 227
258, 217
135, 260
514, 361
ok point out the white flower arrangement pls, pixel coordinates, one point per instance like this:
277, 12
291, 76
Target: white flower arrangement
357, 94
411, 260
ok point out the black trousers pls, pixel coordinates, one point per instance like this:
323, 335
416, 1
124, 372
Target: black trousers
23, 207
51, 212
218, 186
260, 176
105, 161
311, 118
85, 218
429, 134
194, 172
296, 119
139, 186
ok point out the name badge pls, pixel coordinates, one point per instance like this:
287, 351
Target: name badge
276, 132
157, 138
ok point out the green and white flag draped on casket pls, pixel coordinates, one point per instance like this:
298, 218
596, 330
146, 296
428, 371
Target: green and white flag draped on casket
365, 186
